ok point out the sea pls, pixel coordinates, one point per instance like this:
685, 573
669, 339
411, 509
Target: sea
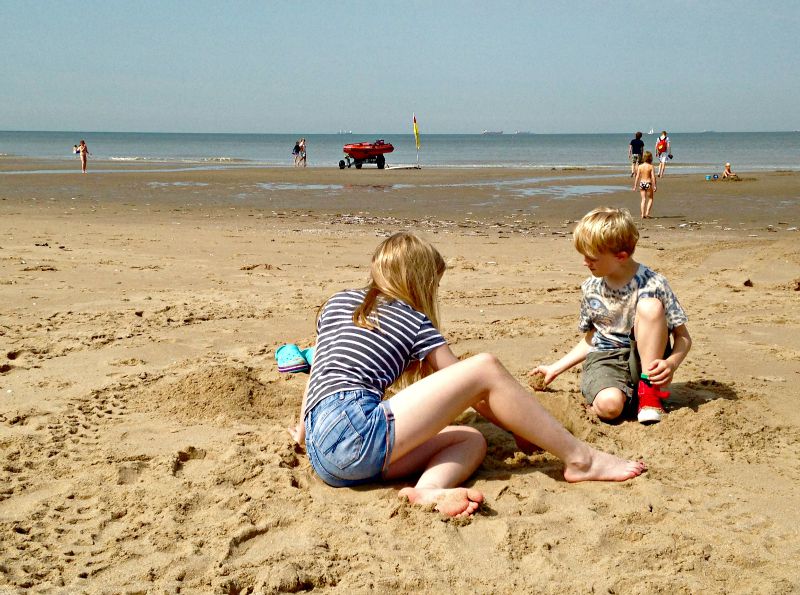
692, 151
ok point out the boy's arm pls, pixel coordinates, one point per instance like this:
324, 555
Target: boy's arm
662, 370
575, 356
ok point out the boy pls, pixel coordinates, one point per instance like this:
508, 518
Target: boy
635, 149
628, 313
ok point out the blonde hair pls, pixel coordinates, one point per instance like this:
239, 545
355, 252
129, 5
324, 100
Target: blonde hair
407, 268
647, 157
605, 230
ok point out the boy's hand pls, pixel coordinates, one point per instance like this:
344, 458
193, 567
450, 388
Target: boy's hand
541, 376
298, 433
660, 372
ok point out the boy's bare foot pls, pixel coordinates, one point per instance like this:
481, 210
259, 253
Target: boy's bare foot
448, 501
602, 466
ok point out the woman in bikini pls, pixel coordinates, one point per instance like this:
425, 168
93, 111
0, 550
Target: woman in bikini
645, 182
83, 150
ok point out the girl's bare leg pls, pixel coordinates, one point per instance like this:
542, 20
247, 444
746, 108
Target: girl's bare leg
426, 407
447, 460
644, 203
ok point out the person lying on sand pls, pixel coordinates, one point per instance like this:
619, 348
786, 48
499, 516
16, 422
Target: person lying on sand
369, 338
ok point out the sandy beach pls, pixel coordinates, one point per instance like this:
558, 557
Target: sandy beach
142, 414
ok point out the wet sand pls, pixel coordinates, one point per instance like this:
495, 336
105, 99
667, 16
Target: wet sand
142, 413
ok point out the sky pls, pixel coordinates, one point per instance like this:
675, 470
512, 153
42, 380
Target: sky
462, 67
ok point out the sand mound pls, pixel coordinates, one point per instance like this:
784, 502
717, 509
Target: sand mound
220, 391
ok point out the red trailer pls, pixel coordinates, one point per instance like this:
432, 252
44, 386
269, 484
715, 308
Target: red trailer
360, 153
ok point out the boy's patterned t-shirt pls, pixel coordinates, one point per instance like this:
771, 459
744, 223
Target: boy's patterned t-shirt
611, 312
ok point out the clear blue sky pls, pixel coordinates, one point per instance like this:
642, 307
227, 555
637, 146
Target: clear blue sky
315, 66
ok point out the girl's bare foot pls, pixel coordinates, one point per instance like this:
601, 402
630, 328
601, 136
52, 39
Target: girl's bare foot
449, 501
601, 466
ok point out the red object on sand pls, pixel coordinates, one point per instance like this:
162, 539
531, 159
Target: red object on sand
366, 150
360, 153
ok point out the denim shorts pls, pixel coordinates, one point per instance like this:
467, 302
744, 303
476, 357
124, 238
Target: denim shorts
349, 438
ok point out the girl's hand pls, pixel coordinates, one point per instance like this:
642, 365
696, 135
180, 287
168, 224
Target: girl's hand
660, 372
298, 433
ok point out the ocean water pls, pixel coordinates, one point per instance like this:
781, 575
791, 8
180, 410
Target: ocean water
707, 151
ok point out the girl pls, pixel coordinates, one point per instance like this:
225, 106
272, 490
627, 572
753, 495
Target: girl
369, 338
646, 179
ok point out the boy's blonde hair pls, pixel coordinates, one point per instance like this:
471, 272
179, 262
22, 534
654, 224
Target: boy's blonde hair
605, 230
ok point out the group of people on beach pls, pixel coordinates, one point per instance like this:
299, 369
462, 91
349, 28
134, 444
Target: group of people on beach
387, 333
299, 153
644, 173
642, 169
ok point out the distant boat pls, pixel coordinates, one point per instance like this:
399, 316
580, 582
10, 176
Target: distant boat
345, 132
523, 132
651, 131
492, 132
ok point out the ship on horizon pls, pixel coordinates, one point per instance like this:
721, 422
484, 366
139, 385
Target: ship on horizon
492, 132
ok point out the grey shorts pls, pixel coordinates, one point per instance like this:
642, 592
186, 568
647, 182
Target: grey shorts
636, 158
615, 368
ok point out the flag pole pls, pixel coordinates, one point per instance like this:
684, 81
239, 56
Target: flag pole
416, 136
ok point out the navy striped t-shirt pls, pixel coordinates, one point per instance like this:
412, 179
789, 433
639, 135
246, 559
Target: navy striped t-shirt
349, 357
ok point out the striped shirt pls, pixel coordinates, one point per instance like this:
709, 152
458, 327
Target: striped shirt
348, 357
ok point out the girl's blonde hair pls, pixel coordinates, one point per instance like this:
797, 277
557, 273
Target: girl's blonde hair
605, 230
404, 267
647, 157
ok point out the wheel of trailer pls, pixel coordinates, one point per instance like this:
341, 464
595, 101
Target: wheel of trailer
341, 164
358, 164
381, 161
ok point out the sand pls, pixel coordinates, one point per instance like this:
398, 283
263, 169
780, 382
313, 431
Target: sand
142, 414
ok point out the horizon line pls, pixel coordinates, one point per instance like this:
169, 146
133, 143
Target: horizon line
352, 133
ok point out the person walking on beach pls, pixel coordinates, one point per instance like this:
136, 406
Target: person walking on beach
628, 314
646, 180
635, 149
296, 152
369, 338
663, 152
302, 148
83, 151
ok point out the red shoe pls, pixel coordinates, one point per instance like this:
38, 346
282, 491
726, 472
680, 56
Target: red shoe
650, 406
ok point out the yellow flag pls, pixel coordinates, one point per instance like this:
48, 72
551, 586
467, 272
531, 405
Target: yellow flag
416, 131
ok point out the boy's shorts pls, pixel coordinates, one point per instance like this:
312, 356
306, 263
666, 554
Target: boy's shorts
614, 368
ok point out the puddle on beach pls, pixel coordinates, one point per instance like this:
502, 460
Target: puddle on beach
285, 186
167, 184
564, 192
